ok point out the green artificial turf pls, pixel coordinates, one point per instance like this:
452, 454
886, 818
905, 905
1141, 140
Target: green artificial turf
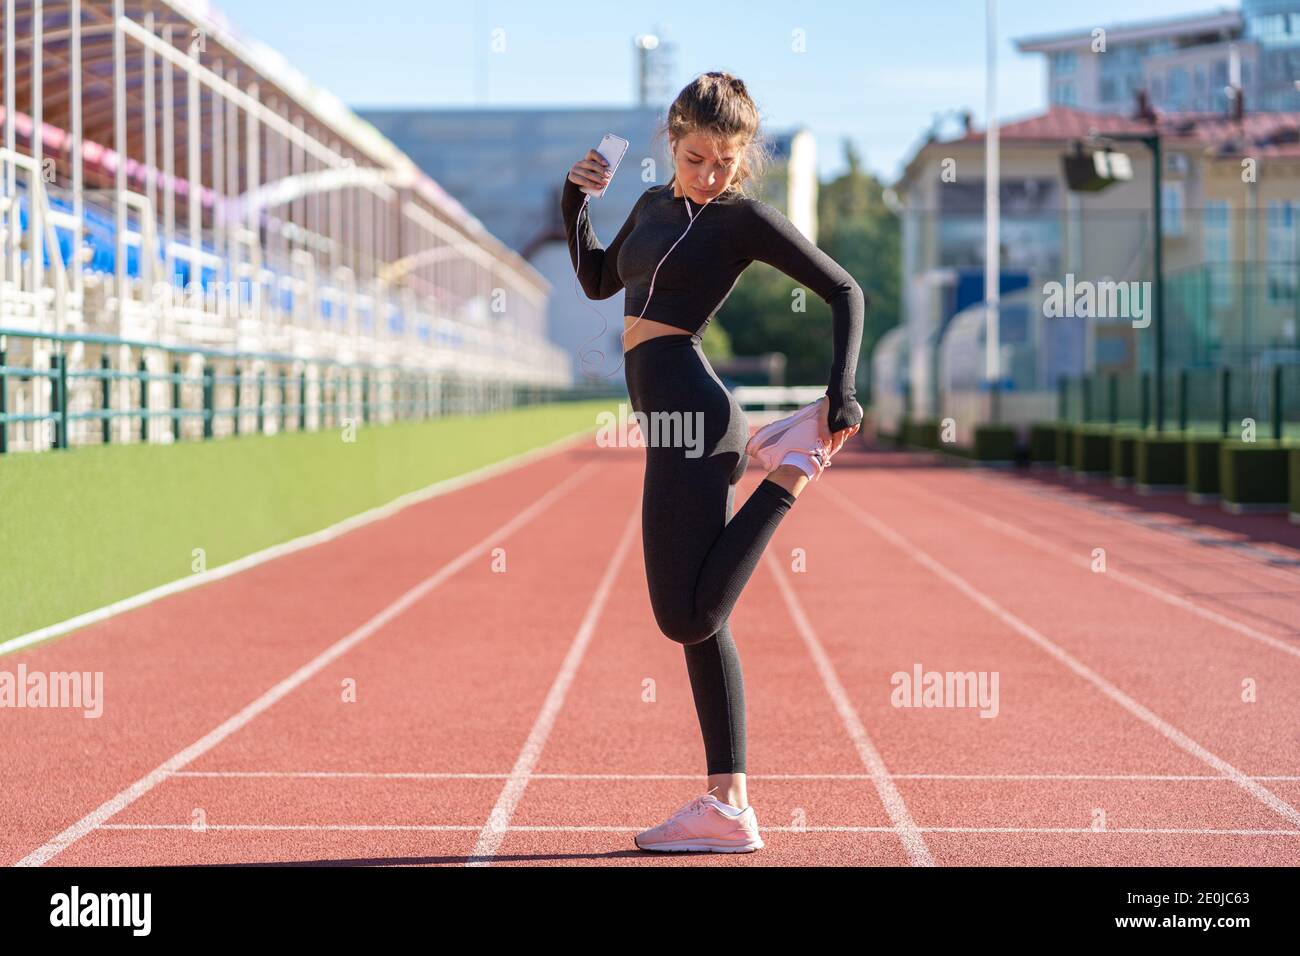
84, 527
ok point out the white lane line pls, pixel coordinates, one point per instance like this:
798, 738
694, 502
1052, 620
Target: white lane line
625, 829
1113, 574
505, 775
498, 822
288, 547
287, 826
908, 832
1162, 726
110, 807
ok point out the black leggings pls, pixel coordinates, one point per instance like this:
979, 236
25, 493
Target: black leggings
698, 557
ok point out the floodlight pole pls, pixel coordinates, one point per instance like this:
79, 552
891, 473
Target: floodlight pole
1152, 142
992, 214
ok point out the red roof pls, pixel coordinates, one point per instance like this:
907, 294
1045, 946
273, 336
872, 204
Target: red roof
1256, 134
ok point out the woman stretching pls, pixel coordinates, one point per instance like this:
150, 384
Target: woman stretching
698, 557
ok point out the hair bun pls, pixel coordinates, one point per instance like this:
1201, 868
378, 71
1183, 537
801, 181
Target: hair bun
735, 82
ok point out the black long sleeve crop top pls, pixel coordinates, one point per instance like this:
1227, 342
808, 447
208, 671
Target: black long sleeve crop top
730, 232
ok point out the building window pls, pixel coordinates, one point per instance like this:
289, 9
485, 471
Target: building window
1109, 89
1218, 252
1171, 209
1121, 58
1031, 224
1063, 63
1177, 88
1063, 94
1282, 218
1272, 29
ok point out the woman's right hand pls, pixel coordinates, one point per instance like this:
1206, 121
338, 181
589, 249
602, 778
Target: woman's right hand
591, 171
833, 441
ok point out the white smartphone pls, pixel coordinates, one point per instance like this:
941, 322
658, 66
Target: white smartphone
613, 148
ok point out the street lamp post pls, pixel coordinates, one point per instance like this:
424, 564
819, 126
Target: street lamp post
1158, 255
992, 216
1152, 142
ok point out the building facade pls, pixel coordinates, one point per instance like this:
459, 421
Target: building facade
1230, 197
1185, 64
508, 166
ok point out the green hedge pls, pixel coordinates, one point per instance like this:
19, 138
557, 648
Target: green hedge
1042, 442
1160, 460
922, 434
1202, 464
995, 443
1121, 455
1293, 473
1253, 475
1092, 449
1065, 445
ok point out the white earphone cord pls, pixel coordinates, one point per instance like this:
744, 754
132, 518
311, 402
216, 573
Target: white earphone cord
578, 250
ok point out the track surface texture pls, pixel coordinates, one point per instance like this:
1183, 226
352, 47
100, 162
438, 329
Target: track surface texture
478, 680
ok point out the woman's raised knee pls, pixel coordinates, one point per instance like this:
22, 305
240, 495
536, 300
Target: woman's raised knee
686, 629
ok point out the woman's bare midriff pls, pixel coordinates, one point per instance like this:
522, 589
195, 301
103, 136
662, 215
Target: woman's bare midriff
646, 329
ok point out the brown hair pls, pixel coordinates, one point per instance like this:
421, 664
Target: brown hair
718, 106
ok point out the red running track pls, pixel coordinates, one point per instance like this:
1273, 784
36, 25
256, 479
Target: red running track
399, 695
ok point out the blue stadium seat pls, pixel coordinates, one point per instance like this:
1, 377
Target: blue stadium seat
100, 231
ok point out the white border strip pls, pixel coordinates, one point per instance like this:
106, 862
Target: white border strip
288, 547
111, 807
539, 828
449, 775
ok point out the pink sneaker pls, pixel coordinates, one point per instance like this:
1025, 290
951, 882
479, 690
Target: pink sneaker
704, 826
813, 463
793, 440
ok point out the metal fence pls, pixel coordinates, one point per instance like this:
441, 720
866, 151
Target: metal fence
63, 391
1263, 396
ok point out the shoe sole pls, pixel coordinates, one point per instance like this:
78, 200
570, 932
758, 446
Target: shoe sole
689, 846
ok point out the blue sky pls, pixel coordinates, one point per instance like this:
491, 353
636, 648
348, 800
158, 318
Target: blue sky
874, 71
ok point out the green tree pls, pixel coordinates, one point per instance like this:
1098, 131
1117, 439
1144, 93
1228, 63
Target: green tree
716, 342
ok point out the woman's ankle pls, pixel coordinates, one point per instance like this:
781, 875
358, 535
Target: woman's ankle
730, 789
790, 477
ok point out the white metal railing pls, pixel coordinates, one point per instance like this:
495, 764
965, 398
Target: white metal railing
40, 226
460, 270
766, 397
